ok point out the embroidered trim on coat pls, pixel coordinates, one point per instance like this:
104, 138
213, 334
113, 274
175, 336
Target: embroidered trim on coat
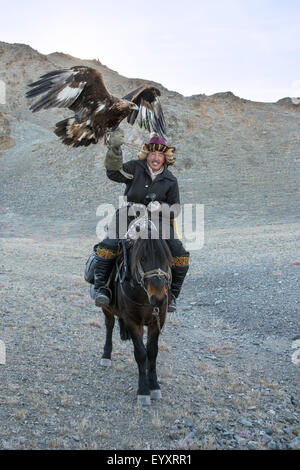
106, 253
180, 260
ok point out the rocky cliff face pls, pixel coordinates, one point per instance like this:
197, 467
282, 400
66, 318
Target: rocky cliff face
6, 141
237, 157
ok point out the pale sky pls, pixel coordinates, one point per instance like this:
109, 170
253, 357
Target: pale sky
249, 47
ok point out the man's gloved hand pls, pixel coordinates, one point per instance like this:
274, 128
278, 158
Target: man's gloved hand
114, 159
153, 206
116, 139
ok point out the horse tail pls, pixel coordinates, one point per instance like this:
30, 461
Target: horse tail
124, 332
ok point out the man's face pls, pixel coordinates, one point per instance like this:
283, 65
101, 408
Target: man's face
155, 160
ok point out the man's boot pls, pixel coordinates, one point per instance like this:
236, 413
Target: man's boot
178, 275
103, 267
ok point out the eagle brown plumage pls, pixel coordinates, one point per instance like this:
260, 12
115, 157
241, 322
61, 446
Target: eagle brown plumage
82, 89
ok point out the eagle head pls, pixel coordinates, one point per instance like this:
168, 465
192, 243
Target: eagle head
125, 105
133, 106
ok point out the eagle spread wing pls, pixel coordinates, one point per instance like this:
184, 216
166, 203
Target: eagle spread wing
150, 114
82, 89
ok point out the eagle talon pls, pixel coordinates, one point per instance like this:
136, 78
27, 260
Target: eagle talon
106, 138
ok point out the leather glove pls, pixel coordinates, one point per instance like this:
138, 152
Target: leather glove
153, 206
114, 158
116, 139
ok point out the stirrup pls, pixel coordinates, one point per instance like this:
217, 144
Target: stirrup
172, 304
102, 297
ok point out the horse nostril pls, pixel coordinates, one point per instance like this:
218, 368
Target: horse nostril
157, 301
157, 293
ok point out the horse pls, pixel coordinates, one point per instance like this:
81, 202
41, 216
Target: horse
140, 298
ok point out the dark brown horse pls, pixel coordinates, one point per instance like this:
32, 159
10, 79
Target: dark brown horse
140, 299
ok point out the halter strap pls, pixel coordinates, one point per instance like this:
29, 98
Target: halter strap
153, 273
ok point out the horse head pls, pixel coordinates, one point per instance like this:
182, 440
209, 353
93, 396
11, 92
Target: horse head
150, 266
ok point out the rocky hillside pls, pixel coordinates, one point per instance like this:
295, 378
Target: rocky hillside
6, 141
237, 157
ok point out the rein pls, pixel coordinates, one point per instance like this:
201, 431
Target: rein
135, 147
122, 280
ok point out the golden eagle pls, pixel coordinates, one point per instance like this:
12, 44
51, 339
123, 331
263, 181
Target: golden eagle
82, 89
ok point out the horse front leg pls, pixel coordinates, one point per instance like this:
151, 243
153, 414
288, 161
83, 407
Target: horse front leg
140, 354
109, 324
152, 351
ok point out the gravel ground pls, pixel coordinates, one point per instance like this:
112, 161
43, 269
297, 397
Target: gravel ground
225, 363
225, 360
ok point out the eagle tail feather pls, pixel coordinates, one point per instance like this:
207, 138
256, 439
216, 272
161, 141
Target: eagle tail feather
75, 134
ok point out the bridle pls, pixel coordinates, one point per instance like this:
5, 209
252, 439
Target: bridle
153, 273
140, 277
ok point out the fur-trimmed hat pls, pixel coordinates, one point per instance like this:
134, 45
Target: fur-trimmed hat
158, 144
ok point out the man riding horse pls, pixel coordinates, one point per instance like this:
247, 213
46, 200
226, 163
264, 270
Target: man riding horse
147, 175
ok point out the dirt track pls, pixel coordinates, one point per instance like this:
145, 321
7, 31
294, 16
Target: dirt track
225, 360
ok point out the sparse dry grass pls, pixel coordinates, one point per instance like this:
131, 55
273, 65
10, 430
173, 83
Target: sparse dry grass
94, 323
61, 378
156, 420
236, 387
252, 398
215, 323
173, 321
190, 124
57, 444
63, 431
102, 434
164, 347
13, 387
186, 443
217, 348
60, 347
165, 372
65, 400
20, 415
208, 443
12, 401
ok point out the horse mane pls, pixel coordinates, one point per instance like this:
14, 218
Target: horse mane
144, 246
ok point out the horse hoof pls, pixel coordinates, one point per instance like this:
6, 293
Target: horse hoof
105, 362
143, 400
155, 394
